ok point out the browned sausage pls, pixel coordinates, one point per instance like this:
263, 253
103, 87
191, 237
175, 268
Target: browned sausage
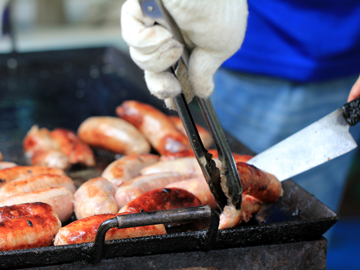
237, 157
60, 199
190, 153
77, 151
161, 199
25, 209
155, 125
28, 232
84, 230
37, 182
262, 185
59, 148
95, 196
113, 134
38, 139
141, 184
21, 172
42, 150
258, 187
203, 133
126, 168
231, 217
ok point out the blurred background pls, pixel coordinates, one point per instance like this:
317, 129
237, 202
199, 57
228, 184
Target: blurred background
48, 25
58, 24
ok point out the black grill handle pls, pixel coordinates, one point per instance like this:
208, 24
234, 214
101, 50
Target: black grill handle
160, 217
351, 111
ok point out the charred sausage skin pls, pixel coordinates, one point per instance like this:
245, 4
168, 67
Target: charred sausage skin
161, 199
28, 232
25, 209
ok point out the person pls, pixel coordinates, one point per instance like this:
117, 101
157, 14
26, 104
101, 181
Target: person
297, 62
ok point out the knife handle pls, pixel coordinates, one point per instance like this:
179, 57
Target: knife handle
351, 111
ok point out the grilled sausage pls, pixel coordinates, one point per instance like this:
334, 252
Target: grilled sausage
156, 126
84, 230
189, 167
6, 164
190, 153
59, 148
60, 199
203, 133
161, 199
259, 184
21, 172
113, 134
42, 150
96, 196
128, 167
237, 157
38, 139
231, 217
258, 187
28, 232
25, 209
34, 183
51, 158
77, 151
141, 184
197, 186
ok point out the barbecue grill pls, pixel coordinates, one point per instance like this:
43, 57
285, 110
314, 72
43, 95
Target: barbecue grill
61, 89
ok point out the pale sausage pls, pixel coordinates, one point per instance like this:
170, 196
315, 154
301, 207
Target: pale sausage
197, 186
60, 199
36, 182
95, 196
126, 168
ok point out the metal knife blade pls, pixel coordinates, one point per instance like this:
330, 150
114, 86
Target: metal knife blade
314, 145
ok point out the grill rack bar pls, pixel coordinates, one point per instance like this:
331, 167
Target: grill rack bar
198, 213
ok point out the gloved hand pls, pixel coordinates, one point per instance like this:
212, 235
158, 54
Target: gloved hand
214, 29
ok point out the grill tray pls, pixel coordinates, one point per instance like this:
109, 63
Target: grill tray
61, 89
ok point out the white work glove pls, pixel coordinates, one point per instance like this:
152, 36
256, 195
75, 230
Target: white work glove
214, 29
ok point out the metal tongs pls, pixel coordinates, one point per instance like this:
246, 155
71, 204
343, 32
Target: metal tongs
154, 10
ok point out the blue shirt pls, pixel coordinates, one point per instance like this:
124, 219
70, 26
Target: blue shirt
301, 40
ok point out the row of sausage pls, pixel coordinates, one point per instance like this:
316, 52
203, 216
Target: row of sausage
138, 129
137, 182
129, 185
